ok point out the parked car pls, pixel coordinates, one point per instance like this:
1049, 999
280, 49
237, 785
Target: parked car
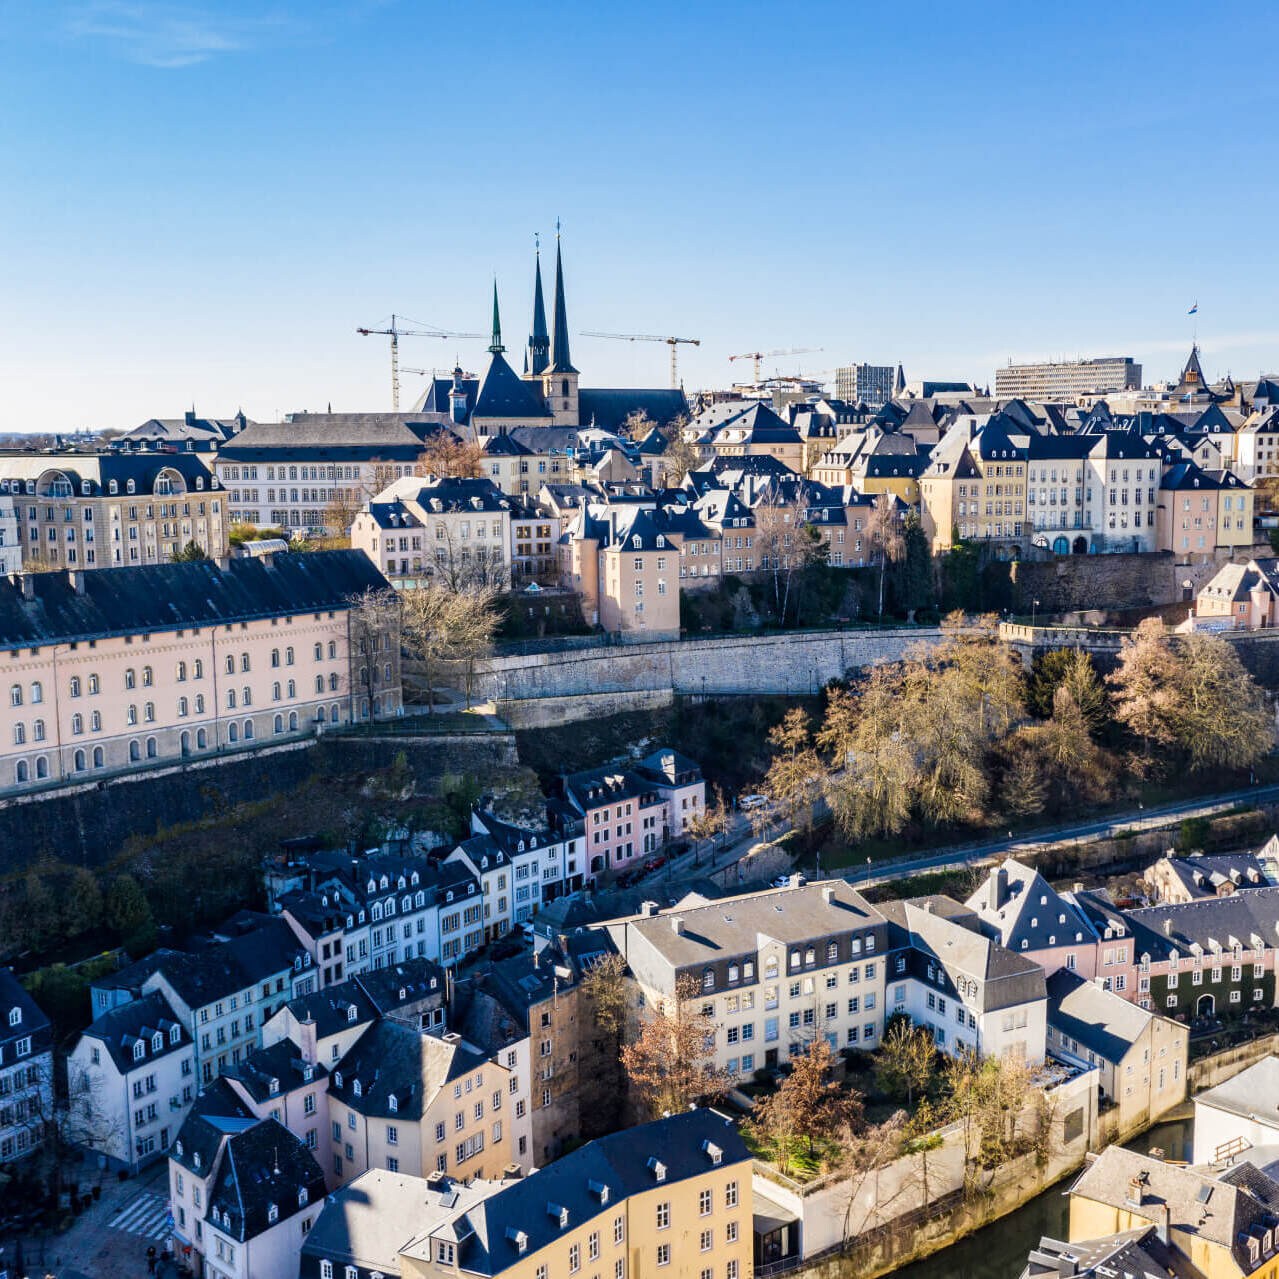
752, 801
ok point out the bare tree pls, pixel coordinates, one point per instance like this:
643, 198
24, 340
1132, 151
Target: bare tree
441, 626
907, 1059
374, 646
887, 540
466, 564
637, 426
603, 993
1222, 720
680, 456
787, 543
795, 774
447, 456
670, 1065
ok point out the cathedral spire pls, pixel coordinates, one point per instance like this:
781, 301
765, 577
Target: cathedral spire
537, 357
560, 361
495, 346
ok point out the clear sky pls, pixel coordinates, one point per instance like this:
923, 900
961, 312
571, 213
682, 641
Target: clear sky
200, 203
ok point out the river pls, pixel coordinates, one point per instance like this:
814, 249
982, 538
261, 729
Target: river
999, 1251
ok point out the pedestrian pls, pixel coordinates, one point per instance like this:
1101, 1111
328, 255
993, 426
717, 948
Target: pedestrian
151, 1259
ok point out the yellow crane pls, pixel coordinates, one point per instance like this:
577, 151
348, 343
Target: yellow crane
673, 343
758, 357
395, 333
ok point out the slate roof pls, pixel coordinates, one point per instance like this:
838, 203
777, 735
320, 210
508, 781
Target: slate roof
1022, 907
1159, 930
1216, 1210
98, 470
216, 1112
1098, 1019
1132, 1254
392, 1060
435, 400
503, 393
119, 1029
281, 1063
33, 1023
410, 981
609, 407
335, 437
606, 784
190, 427
263, 1166
1202, 874
625, 1162
330, 1008
167, 597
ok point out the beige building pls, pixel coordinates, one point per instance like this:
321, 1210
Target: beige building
416, 1102
975, 486
125, 668
668, 1198
112, 510
1204, 514
774, 970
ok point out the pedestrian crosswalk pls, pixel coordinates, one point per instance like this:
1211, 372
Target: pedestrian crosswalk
146, 1214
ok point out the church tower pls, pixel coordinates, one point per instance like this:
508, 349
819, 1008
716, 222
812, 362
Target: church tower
537, 356
559, 382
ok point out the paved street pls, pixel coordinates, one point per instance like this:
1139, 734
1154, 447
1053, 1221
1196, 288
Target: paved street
111, 1239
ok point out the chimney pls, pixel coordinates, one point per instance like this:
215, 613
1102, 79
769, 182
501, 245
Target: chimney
998, 888
75, 579
1161, 1222
828, 893
1135, 1187
648, 909
189, 417
1167, 927
26, 583
677, 925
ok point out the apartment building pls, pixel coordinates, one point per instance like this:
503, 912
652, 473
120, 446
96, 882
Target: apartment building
1184, 879
1204, 513
244, 1193
417, 1102
26, 1071
1141, 1057
113, 509
1065, 380
1241, 597
869, 384
277, 1082
773, 970
670, 1197
547, 863
10, 542
975, 484
131, 1079
135, 667
971, 993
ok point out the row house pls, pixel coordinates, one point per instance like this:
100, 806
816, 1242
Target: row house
974, 486
772, 970
131, 1079
113, 509
221, 994
279, 1083
10, 543
547, 862
1182, 879
629, 813
244, 1193
669, 1197
1204, 513
26, 1071
969, 991
130, 668
750, 428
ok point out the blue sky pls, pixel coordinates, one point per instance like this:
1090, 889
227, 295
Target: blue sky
202, 202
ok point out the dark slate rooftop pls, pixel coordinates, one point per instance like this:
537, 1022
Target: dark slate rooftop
262, 1167
32, 1023
217, 1111
282, 1064
503, 393
166, 597
139, 1022
1098, 1019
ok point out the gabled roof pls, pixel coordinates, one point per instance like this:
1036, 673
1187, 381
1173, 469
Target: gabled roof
32, 1023
1018, 905
262, 1168
139, 1022
609, 407
282, 1065
1098, 1019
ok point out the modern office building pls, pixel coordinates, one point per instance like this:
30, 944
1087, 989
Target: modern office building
869, 384
1063, 380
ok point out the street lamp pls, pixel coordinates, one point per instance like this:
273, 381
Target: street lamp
1034, 604
868, 870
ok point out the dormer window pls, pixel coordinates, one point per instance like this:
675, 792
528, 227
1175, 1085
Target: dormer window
337, 1078
273, 1087
157, 1042
657, 1168
272, 1213
15, 1016
392, 1103
350, 1013
195, 1158
357, 1088
139, 1050
175, 1033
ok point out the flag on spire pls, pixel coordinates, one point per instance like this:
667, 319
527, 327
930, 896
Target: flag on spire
1194, 310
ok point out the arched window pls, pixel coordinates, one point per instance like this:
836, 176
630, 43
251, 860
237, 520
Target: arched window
21, 772
319, 683
199, 703
386, 672
15, 695
37, 693
333, 649
185, 743
78, 761
19, 734
75, 686
319, 651
95, 685
279, 723
95, 722
333, 713
152, 748
293, 688
293, 721
113, 487
246, 696
248, 730
182, 672
275, 657
232, 733
197, 669
130, 486
333, 682
77, 724
184, 707
288, 656
42, 768
244, 661
275, 691
135, 751
130, 679
148, 712
99, 757
147, 677
230, 664
38, 730
201, 739
230, 698
319, 714
131, 716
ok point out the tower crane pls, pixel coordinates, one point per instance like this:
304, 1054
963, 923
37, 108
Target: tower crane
395, 333
673, 343
758, 357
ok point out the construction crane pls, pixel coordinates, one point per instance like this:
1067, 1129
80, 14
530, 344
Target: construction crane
758, 357
673, 343
395, 333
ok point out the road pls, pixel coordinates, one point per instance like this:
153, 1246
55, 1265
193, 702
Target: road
689, 866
